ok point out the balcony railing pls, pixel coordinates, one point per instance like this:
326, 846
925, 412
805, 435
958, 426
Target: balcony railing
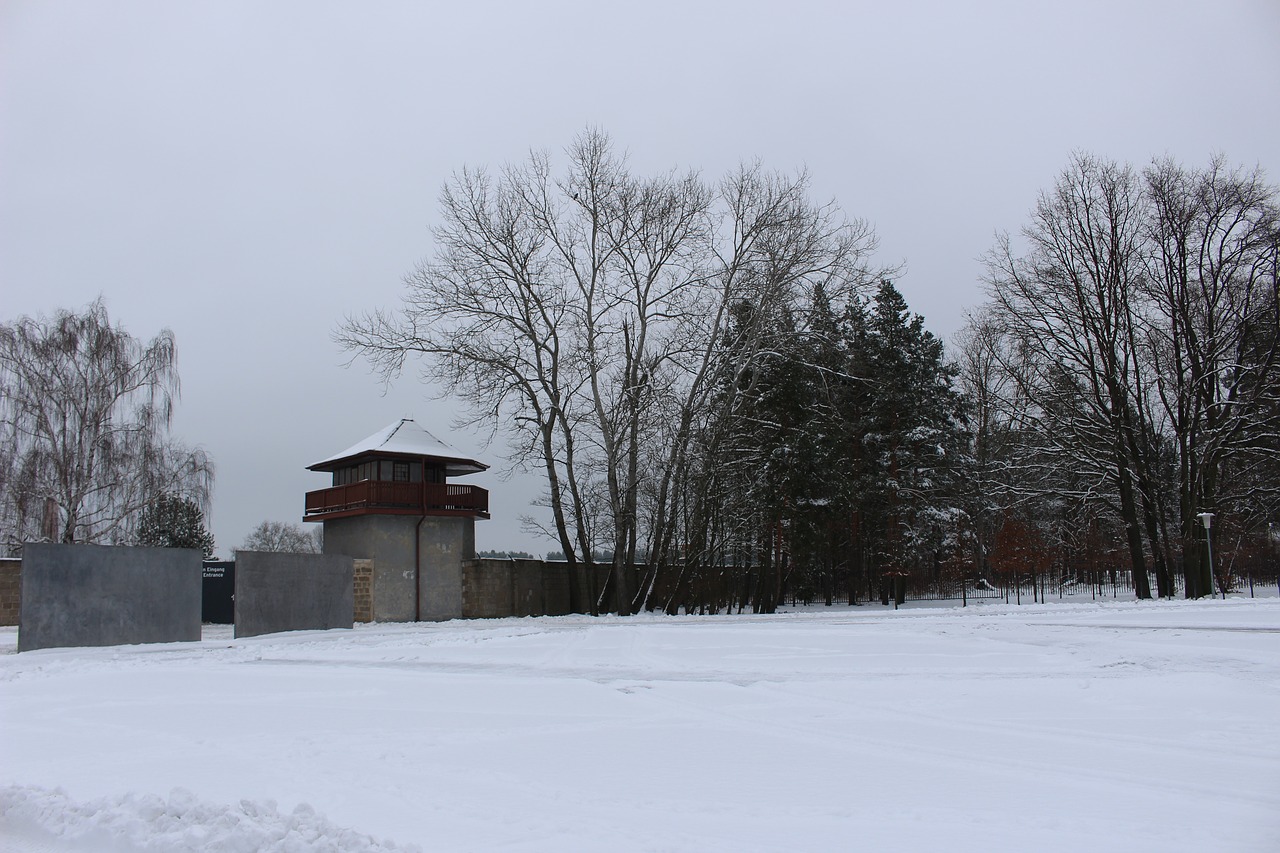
403, 497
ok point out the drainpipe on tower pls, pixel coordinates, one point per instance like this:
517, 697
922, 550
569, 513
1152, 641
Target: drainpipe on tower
417, 548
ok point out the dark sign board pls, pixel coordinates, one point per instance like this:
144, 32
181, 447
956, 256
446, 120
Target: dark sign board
219, 603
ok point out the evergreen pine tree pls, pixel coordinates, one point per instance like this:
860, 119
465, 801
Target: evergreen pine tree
175, 522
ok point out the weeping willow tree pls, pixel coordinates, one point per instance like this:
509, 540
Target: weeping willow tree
85, 412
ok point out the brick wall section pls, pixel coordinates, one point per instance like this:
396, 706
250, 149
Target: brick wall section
10, 591
362, 581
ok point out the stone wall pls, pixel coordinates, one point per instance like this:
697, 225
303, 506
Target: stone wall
10, 590
101, 595
362, 584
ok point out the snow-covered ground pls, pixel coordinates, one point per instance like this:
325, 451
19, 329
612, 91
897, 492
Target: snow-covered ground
1111, 726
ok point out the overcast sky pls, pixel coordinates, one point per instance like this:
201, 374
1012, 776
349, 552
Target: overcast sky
248, 173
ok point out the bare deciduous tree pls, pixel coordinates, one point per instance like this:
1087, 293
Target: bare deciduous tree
1070, 305
1142, 330
1214, 339
283, 537
584, 316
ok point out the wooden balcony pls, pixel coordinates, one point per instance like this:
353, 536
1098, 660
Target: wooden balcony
381, 496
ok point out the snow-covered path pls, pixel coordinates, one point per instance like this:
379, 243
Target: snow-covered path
1066, 727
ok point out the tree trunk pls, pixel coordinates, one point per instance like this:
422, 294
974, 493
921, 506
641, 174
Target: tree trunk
1133, 534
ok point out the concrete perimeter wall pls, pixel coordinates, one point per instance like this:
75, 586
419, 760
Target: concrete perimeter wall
596, 584
101, 595
292, 592
494, 588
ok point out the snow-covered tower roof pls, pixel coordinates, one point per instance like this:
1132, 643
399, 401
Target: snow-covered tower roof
404, 439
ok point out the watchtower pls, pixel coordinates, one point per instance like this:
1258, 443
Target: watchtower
390, 501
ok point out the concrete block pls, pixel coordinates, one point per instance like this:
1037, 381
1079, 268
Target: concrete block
292, 592
99, 595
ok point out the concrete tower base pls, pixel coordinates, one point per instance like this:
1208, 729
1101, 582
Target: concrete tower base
417, 561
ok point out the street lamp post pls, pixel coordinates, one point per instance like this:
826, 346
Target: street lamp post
1206, 518
1272, 542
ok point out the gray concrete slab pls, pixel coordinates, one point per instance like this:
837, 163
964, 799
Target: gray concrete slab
100, 595
292, 592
